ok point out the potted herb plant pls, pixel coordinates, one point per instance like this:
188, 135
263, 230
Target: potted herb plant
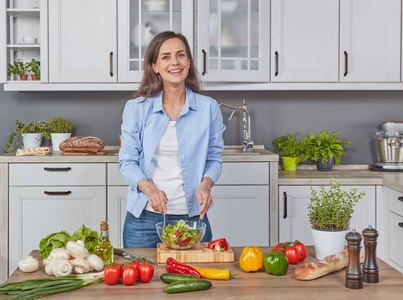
330, 213
34, 67
60, 130
18, 68
31, 134
291, 149
324, 149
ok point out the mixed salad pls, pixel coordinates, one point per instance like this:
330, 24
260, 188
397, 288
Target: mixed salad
180, 235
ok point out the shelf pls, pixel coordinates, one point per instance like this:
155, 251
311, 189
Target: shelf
22, 47
23, 13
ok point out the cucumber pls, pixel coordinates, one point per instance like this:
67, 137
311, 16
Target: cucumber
170, 277
188, 286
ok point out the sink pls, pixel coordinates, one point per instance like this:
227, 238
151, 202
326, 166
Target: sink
237, 152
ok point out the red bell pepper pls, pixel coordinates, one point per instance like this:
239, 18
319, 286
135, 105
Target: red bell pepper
219, 245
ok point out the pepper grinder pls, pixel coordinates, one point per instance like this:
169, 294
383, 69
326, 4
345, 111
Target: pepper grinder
354, 276
370, 267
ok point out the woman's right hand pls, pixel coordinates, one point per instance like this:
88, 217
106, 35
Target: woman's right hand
156, 197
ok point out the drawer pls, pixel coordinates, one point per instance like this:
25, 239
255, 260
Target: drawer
231, 174
395, 229
57, 174
395, 204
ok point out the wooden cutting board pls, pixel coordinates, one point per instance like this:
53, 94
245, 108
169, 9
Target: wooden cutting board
199, 253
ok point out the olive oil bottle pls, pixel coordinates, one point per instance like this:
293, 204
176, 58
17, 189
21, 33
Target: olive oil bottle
104, 249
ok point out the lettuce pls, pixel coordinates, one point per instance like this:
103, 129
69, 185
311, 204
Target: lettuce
89, 237
53, 241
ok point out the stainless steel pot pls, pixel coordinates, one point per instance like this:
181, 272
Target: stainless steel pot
389, 150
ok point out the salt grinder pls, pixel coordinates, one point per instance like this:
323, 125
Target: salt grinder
354, 277
370, 266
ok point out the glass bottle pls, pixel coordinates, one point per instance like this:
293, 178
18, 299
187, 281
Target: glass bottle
104, 249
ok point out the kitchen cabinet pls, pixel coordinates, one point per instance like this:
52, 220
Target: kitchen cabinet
139, 21
83, 41
395, 229
233, 40
304, 40
293, 212
370, 42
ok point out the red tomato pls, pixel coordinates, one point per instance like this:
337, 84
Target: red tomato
303, 252
129, 275
292, 254
146, 272
112, 274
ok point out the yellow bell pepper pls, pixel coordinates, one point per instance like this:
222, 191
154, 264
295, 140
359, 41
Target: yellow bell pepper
251, 259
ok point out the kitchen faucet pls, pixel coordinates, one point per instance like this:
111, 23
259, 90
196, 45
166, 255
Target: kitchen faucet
247, 143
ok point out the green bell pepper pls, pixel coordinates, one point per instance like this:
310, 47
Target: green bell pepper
276, 263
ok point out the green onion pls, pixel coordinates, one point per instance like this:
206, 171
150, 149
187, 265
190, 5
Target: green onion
42, 287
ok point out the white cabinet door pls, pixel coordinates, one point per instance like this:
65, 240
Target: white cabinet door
293, 212
241, 215
139, 21
370, 40
233, 40
34, 213
304, 40
82, 41
116, 214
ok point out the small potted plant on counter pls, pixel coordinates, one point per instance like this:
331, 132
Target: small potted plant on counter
60, 130
34, 67
291, 149
31, 134
324, 149
330, 213
18, 68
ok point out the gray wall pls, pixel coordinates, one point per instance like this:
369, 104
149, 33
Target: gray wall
353, 113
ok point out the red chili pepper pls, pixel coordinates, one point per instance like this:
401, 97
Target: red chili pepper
184, 242
219, 245
173, 266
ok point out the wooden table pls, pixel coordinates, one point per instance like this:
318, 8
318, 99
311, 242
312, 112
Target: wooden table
258, 285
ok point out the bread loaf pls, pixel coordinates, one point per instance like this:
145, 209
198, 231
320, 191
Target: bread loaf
82, 144
329, 264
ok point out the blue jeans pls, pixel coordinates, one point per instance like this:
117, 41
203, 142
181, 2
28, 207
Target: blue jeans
141, 232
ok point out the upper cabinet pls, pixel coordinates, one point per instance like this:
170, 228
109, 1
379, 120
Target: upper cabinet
304, 40
82, 41
233, 40
370, 42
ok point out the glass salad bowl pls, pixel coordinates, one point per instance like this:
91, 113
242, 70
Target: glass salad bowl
181, 235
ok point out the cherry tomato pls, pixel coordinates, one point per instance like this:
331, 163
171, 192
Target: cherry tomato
146, 272
129, 275
112, 274
303, 252
292, 254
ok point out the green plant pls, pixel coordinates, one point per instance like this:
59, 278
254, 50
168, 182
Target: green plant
332, 209
33, 127
60, 124
324, 146
34, 67
18, 68
290, 145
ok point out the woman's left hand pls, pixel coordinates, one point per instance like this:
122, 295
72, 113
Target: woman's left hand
204, 196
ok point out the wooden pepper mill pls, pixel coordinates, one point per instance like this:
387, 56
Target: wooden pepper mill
354, 276
370, 266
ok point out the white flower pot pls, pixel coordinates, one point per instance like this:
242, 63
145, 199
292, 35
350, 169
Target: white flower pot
57, 138
328, 242
32, 140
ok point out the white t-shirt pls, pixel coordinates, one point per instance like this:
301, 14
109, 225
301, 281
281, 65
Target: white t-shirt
166, 173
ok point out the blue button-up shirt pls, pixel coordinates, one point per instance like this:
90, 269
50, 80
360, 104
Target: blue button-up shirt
199, 130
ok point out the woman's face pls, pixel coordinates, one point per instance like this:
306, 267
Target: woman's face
172, 62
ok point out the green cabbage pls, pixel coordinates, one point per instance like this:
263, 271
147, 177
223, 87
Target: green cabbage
53, 241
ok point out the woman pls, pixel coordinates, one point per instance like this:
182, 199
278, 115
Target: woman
171, 146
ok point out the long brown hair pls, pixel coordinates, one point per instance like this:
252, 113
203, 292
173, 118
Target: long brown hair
152, 83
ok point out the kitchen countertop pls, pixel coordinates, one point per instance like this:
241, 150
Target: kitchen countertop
254, 285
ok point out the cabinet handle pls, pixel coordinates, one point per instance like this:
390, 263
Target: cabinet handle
400, 198
57, 169
204, 62
345, 63
285, 205
400, 224
276, 70
111, 63
57, 193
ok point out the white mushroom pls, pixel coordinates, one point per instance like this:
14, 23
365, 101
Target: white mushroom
49, 267
62, 267
29, 264
59, 253
80, 265
76, 250
95, 262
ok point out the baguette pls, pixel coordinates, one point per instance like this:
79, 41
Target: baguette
329, 264
82, 144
